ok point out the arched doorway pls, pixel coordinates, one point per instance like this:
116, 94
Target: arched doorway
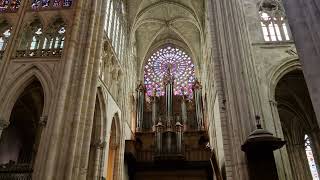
113, 151
298, 120
20, 140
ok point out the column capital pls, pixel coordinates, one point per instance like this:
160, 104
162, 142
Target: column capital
273, 102
100, 144
43, 121
4, 124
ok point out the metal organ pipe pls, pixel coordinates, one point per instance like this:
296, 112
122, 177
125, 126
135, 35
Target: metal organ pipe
140, 106
197, 88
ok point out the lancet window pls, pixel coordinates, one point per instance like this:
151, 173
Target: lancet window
273, 22
9, 5
37, 42
115, 26
311, 160
44, 4
173, 61
4, 37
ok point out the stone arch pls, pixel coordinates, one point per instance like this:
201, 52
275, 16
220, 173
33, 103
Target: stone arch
114, 154
289, 64
4, 24
98, 137
23, 133
296, 116
19, 81
155, 5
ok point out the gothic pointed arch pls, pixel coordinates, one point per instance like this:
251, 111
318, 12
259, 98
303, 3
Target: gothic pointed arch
98, 138
19, 81
297, 119
112, 165
21, 138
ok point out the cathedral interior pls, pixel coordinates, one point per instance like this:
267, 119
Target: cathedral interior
159, 89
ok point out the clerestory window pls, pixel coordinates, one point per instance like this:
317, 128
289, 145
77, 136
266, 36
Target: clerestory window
45, 4
9, 5
115, 25
37, 42
273, 22
4, 38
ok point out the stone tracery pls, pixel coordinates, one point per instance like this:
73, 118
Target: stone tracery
273, 21
173, 61
37, 41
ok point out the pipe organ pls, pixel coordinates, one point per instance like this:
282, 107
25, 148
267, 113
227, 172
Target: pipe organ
166, 122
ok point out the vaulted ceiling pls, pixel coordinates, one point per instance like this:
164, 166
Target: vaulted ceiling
154, 23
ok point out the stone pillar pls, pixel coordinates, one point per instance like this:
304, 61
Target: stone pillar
159, 131
197, 88
140, 106
184, 113
179, 137
98, 165
281, 155
303, 17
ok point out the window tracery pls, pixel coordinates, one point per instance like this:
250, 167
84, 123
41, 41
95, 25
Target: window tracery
311, 160
115, 26
273, 21
9, 5
4, 38
179, 65
44, 4
36, 41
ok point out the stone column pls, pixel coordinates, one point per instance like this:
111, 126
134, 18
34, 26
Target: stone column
140, 106
184, 113
303, 17
98, 162
281, 155
197, 88
179, 137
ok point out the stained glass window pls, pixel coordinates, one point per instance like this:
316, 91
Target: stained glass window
67, 3
175, 61
40, 3
311, 161
37, 4
9, 5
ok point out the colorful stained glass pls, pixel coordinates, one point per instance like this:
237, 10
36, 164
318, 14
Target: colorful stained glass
9, 5
311, 161
40, 4
67, 3
175, 61
37, 4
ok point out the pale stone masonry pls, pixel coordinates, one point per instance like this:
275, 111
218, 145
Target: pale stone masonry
75, 91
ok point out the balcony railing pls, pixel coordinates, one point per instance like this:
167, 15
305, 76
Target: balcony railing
39, 53
16, 172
